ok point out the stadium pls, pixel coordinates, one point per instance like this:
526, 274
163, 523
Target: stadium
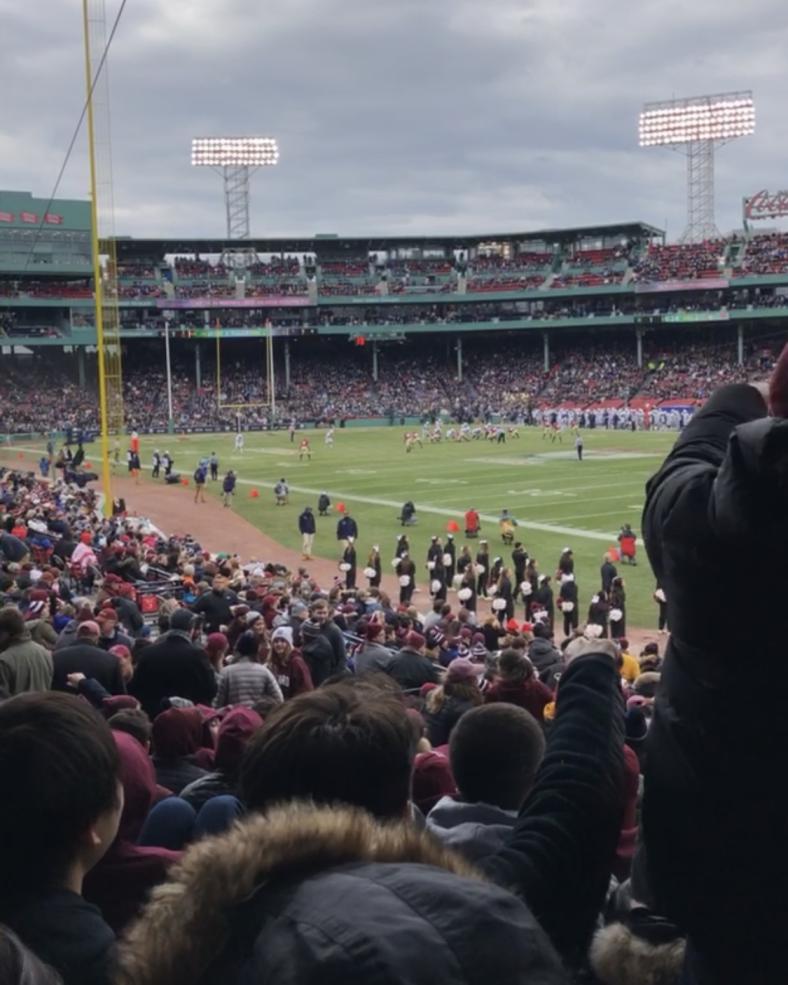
607, 330
383, 605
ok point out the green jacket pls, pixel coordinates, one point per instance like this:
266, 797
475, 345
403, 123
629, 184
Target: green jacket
25, 666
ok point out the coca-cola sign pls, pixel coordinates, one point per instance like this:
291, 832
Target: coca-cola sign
763, 205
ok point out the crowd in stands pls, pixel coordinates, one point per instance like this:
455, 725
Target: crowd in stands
205, 289
687, 261
190, 268
764, 255
219, 769
333, 383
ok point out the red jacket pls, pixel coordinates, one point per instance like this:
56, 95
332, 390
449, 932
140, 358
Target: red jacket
471, 520
531, 695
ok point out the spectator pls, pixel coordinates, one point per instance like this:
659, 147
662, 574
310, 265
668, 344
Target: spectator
320, 613
235, 731
24, 665
517, 684
216, 605
245, 680
355, 746
86, 657
544, 655
287, 665
177, 736
174, 666
447, 703
59, 814
120, 883
495, 753
372, 656
411, 667
713, 818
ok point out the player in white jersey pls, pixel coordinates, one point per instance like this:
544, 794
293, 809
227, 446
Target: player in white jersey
239, 442
329, 438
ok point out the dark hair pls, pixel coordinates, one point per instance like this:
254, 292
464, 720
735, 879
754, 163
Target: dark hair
339, 744
11, 621
247, 645
59, 765
135, 722
495, 752
515, 666
542, 630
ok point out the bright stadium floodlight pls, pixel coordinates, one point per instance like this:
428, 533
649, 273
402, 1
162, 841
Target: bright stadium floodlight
235, 158
697, 124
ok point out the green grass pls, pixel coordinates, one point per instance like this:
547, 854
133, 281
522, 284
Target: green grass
541, 483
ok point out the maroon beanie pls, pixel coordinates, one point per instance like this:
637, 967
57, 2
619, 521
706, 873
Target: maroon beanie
415, 640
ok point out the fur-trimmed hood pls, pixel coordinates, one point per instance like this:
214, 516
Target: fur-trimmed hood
328, 892
621, 957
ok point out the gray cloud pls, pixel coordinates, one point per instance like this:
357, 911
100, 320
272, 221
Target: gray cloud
408, 117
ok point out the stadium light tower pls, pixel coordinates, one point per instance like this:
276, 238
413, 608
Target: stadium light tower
697, 125
235, 158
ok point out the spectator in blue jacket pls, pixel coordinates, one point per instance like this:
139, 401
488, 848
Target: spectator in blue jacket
307, 528
228, 487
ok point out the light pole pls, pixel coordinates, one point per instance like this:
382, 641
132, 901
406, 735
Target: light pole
235, 158
698, 124
168, 315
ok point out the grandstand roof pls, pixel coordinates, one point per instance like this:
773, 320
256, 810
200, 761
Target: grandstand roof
128, 247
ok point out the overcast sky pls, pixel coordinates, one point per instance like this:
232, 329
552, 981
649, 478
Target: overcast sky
404, 116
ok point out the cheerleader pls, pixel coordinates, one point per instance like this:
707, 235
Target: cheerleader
449, 559
466, 593
543, 596
567, 602
531, 579
374, 564
403, 546
598, 612
505, 592
349, 564
406, 572
482, 569
618, 604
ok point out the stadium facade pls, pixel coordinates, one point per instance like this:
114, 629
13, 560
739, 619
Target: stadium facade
542, 287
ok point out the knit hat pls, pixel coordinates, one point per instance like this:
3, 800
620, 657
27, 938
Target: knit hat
462, 671
635, 726
283, 633
432, 779
251, 617
373, 630
216, 642
646, 684
778, 386
415, 640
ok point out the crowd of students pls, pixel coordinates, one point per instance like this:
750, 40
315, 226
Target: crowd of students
266, 779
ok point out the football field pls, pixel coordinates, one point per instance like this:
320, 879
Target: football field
557, 500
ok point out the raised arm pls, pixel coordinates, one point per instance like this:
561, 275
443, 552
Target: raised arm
560, 854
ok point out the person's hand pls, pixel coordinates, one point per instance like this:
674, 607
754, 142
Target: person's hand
75, 679
581, 646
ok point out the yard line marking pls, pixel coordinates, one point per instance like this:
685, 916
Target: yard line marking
486, 517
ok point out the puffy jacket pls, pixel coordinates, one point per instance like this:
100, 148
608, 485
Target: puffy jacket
475, 830
714, 810
326, 895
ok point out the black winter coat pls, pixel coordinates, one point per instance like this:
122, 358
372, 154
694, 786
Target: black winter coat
715, 815
172, 667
